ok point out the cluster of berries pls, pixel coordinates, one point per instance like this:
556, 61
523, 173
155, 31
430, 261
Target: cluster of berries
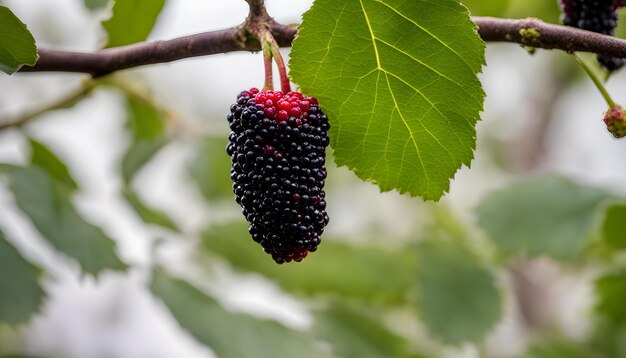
597, 16
277, 146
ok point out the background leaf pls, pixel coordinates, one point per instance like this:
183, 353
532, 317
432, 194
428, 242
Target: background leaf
42, 157
147, 128
47, 203
488, 8
148, 214
229, 334
17, 44
457, 297
611, 290
132, 21
96, 4
398, 82
550, 216
614, 227
354, 332
608, 340
561, 348
210, 169
365, 272
20, 292
548, 11
139, 153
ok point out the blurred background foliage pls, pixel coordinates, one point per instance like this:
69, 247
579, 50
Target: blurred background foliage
148, 255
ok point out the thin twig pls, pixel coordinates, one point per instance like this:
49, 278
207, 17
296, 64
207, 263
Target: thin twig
528, 32
65, 102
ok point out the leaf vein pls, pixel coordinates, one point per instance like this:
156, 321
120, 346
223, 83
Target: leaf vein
426, 31
406, 124
432, 107
369, 27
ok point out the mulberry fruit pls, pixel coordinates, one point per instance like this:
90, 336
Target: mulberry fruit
597, 16
615, 120
277, 146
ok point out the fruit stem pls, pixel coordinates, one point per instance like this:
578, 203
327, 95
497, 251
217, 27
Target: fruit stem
596, 80
275, 50
267, 60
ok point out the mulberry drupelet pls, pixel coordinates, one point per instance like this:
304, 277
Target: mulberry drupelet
277, 146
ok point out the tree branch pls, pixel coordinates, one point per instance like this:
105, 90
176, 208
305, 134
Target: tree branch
528, 32
118, 58
536, 33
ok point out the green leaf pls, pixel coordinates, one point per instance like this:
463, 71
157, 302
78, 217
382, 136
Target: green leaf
96, 4
354, 332
457, 297
369, 273
132, 21
229, 334
148, 214
147, 127
550, 216
48, 205
398, 82
42, 157
614, 227
210, 167
17, 44
611, 291
20, 292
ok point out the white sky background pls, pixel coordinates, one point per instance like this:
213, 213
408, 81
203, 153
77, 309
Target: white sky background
91, 139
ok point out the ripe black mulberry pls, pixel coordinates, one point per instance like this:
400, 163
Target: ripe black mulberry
277, 146
597, 16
